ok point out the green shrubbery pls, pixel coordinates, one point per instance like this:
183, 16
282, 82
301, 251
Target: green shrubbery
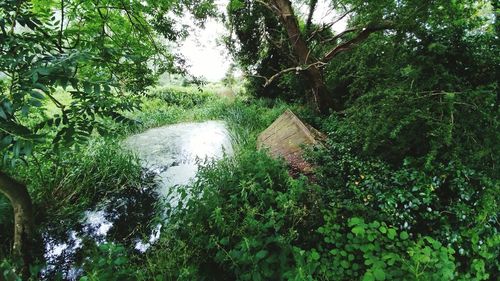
246, 219
240, 220
376, 251
365, 216
183, 97
449, 198
108, 262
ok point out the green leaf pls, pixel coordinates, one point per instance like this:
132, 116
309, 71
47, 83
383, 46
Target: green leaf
368, 276
391, 233
63, 82
379, 274
37, 95
16, 149
43, 71
2, 114
223, 241
404, 235
34, 77
8, 107
315, 255
236, 5
87, 87
261, 254
358, 230
35, 103
355, 221
120, 261
41, 87
383, 229
97, 88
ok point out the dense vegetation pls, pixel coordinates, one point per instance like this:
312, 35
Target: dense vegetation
406, 186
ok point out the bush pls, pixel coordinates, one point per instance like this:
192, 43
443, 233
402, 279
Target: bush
375, 251
448, 201
108, 262
183, 97
238, 221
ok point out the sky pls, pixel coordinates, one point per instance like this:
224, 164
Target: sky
205, 56
209, 59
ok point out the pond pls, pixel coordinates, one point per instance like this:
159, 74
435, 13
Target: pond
170, 156
174, 152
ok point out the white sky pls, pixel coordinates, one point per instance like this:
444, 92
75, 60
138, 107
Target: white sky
211, 60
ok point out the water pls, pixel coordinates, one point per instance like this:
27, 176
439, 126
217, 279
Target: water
174, 152
170, 156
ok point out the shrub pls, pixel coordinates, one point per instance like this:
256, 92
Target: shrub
239, 221
376, 251
108, 262
448, 201
183, 97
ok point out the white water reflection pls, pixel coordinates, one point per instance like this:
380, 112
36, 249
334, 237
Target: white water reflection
97, 223
144, 246
172, 151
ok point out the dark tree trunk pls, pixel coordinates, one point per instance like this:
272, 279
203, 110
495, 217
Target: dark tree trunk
322, 99
23, 219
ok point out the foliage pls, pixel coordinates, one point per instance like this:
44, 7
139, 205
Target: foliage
8, 272
406, 186
94, 50
417, 143
450, 201
110, 262
441, 222
242, 215
376, 251
257, 44
181, 97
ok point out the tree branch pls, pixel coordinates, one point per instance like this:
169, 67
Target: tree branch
363, 35
312, 8
290, 69
61, 27
329, 25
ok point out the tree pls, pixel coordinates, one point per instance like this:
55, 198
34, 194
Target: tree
98, 51
302, 40
314, 46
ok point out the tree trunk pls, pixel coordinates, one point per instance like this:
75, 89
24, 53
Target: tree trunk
322, 99
23, 219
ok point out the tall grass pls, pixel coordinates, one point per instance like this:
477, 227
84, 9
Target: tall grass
67, 182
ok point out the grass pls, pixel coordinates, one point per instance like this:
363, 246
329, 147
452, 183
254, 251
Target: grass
66, 183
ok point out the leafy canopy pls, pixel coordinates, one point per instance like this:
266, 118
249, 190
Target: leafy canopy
101, 52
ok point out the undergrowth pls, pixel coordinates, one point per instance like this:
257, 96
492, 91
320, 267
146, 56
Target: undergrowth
246, 218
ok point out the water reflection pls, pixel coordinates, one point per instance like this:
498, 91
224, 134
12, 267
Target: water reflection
170, 156
172, 151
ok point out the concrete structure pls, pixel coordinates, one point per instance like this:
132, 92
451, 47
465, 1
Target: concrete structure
285, 138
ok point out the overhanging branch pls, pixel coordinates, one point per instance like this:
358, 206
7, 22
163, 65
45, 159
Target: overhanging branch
363, 35
290, 69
